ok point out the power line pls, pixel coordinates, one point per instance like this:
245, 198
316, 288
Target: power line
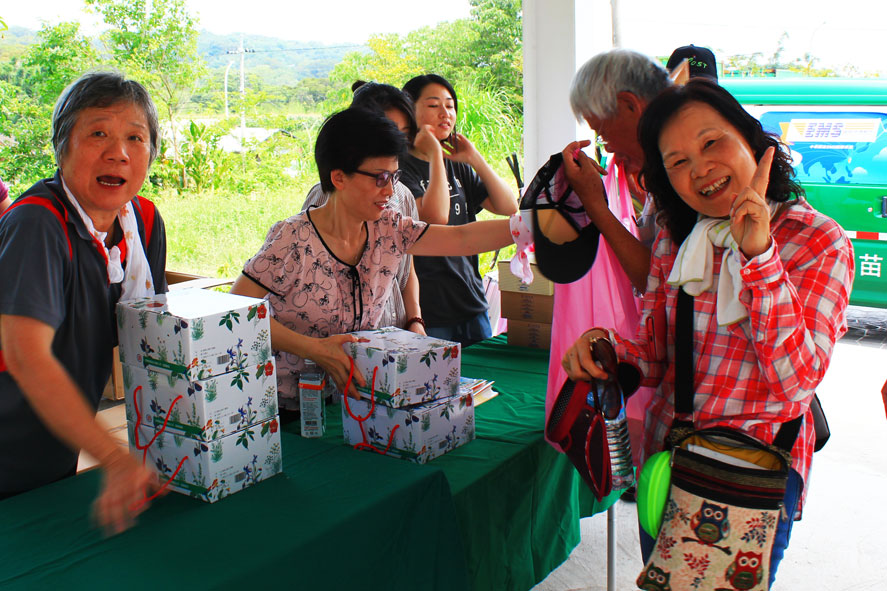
237, 51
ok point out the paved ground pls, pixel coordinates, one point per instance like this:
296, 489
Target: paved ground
839, 544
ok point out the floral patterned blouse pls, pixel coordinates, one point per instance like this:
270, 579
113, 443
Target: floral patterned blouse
318, 295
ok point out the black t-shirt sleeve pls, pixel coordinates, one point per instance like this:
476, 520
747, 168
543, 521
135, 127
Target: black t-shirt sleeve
35, 264
475, 189
415, 175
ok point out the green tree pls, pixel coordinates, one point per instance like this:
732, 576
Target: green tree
59, 57
497, 46
311, 91
24, 138
34, 82
156, 45
394, 59
485, 50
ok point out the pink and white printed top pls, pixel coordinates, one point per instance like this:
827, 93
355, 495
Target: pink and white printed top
318, 295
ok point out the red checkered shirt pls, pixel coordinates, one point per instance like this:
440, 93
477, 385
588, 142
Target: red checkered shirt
755, 374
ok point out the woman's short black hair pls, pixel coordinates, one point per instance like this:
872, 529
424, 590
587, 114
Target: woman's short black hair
678, 217
100, 90
349, 137
383, 97
415, 86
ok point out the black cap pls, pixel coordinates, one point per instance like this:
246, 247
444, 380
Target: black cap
702, 61
558, 260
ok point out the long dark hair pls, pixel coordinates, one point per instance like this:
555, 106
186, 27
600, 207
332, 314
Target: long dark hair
414, 87
678, 217
382, 97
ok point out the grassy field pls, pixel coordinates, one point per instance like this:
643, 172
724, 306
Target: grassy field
213, 233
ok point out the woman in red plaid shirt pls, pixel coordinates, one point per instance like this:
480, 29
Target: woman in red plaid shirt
771, 278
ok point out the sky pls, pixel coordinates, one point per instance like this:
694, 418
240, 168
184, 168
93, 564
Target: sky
300, 20
849, 36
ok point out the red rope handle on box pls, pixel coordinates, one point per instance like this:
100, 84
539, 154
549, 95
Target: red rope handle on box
365, 444
135, 399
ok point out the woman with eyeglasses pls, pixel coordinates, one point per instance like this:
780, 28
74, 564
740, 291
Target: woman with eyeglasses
402, 308
452, 294
330, 270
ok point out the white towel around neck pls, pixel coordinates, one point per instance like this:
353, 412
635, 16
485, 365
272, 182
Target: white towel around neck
694, 263
137, 279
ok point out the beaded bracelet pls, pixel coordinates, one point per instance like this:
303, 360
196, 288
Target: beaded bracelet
414, 320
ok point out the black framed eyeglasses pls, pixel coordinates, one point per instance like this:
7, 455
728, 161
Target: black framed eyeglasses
382, 178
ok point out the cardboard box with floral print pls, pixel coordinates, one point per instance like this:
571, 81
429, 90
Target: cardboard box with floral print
195, 333
418, 433
211, 470
203, 409
409, 368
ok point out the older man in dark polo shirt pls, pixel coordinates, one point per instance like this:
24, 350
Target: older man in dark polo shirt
70, 248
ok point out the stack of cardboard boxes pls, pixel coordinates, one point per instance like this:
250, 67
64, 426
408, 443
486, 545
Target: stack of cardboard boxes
528, 308
201, 389
414, 408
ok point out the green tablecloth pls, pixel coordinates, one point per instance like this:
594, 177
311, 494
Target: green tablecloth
511, 479
498, 513
328, 522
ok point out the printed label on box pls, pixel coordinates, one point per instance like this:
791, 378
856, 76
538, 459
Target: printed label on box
208, 409
195, 333
213, 470
421, 432
410, 368
509, 282
529, 334
528, 307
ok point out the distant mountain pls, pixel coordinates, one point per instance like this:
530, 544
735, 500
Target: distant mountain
15, 41
277, 62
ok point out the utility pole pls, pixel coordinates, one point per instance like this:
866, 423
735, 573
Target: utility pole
231, 63
242, 95
242, 53
614, 10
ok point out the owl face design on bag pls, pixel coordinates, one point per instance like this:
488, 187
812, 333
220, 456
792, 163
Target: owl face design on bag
655, 579
710, 524
745, 571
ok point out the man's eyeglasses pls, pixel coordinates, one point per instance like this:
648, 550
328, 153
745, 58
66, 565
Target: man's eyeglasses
382, 178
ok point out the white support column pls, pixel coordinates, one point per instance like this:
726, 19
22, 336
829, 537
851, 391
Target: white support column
559, 36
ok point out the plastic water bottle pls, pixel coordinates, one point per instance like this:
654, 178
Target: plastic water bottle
311, 400
613, 410
331, 394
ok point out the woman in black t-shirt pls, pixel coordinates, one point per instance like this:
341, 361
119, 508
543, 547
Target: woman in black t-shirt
451, 182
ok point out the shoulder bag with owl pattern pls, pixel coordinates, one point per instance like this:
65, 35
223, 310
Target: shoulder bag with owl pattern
725, 498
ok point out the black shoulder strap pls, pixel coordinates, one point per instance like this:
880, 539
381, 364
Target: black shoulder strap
683, 363
788, 433
684, 370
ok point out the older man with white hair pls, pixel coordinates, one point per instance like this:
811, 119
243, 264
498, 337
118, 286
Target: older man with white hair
610, 92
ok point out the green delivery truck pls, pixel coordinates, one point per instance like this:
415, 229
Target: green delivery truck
836, 130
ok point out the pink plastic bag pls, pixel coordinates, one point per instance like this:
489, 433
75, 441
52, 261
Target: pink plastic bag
605, 298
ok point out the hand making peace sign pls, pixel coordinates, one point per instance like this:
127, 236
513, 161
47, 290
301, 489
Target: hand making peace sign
750, 214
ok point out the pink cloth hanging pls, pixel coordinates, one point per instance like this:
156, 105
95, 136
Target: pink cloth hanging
603, 297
